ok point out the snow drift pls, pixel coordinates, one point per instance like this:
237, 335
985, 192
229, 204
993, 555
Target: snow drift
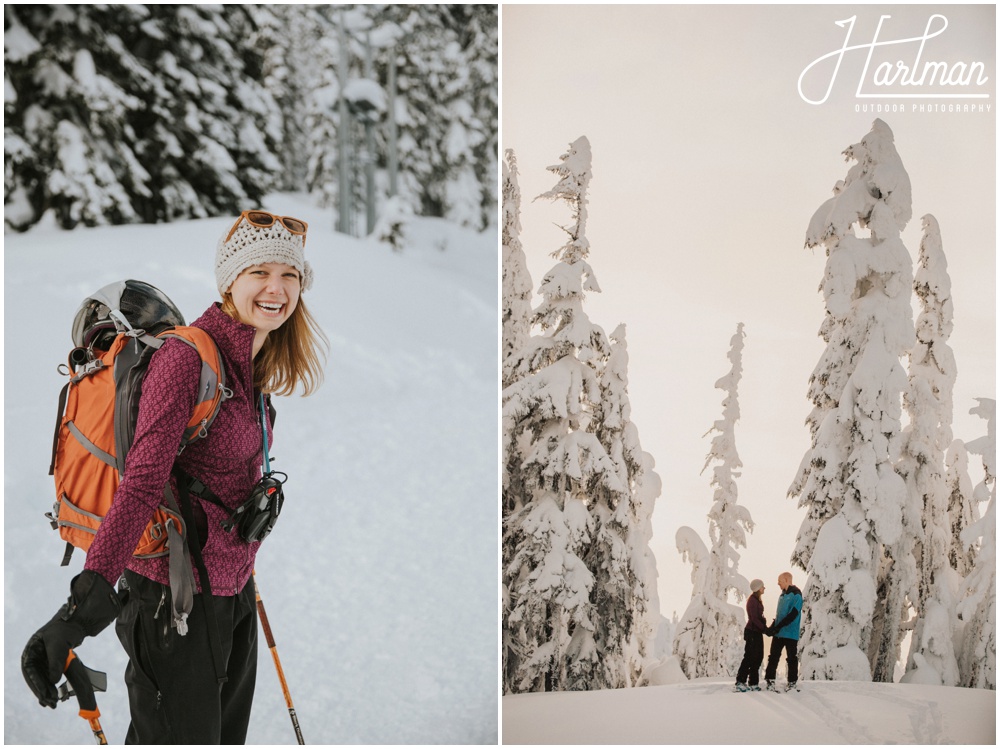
705, 711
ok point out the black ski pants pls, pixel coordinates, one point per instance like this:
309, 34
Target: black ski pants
173, 692
753, 656
791, 647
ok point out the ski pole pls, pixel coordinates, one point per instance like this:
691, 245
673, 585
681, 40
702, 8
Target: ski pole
82, 681
277, 662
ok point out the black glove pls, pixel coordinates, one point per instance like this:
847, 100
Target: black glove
93, 604
770, 631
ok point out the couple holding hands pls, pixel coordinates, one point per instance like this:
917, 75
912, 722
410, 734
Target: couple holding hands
784, 634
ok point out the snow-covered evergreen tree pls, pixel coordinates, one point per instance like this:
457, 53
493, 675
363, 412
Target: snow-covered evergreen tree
962, 508
620, 558
291, 40
857, 539
978, 608
929, 404
445, 108
709, 637
335, 138
665, 633
548, 622
516, 332
117, 114
516, 284
692, 634
449, 91
471, 139
646, 488
580, 605
124, 113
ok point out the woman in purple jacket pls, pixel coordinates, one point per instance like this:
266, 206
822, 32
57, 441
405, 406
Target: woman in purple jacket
753, 635
192, 662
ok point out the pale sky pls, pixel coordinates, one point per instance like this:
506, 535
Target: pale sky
707, 167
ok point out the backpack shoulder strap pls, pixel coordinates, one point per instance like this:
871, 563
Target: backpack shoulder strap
212, 390
194, 546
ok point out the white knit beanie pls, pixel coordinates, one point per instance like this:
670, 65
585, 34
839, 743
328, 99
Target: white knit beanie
756, 585
254, 245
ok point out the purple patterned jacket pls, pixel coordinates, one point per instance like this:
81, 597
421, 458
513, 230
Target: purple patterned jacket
228, 460
755, 615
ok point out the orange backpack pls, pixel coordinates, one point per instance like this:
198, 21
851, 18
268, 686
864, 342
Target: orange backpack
95, 427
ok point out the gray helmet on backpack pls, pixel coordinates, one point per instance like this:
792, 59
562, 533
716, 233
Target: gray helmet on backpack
142, 305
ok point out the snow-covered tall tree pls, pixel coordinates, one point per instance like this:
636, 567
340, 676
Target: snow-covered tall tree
516, 333
691, 638
291, 40
548, 622
450, 94
857, 538
340, 90
709, 637
646, 488
125, 113
665, 632
962, 508
516, 283
928, 401
978, 608
574, 472
445, 107
623, 565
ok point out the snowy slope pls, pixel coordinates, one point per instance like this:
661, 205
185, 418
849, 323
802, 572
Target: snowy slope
706, 711
380, 579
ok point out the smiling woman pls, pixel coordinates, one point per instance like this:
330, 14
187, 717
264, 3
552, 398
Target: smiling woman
264, 296
187, 634
261, 272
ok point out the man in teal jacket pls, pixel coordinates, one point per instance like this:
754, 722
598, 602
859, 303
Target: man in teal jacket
784, 632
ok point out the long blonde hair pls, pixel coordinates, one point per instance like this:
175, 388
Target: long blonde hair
292, 355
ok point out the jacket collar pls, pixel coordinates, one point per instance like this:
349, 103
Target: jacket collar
234, 339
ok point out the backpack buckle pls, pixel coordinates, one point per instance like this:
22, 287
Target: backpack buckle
121, 322
88, 369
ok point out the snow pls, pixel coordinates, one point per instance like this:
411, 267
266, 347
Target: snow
364, 91
705, 711
18, 44
380, 578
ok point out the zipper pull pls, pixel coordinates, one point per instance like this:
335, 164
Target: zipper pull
163, 599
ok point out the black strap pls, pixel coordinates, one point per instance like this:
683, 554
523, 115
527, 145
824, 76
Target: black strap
55, 437
272, 411
67, 554
194, 545
52, 466
198, 489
